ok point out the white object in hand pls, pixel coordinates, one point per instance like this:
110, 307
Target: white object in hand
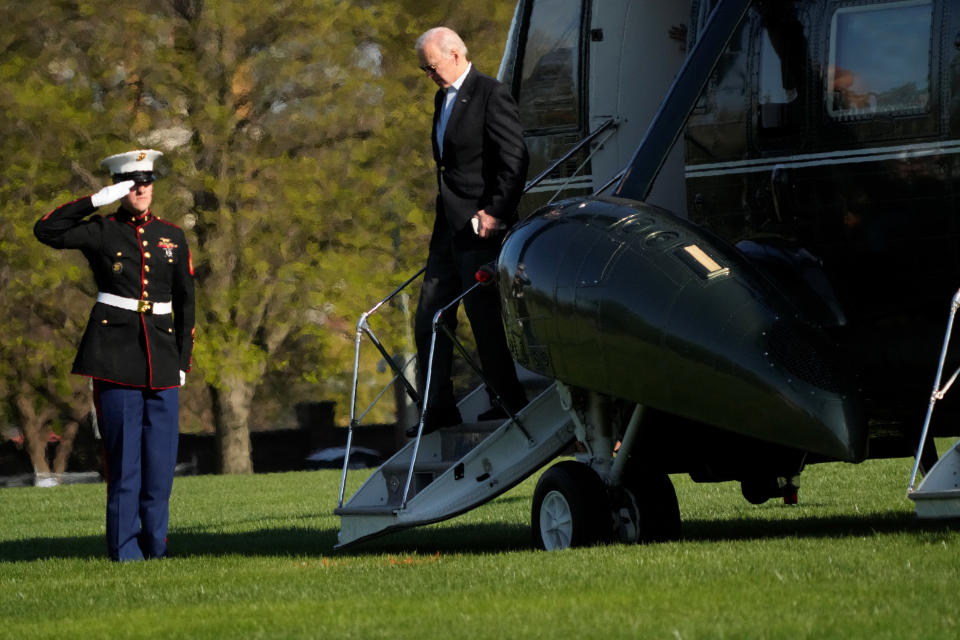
475, 221
112, 193
183, 377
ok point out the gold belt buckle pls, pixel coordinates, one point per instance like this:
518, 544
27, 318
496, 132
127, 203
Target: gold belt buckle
144, 306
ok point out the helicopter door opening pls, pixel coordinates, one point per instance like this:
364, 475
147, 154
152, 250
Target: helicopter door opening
636, 50
575, 65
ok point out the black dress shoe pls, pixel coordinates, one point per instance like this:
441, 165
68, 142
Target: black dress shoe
437, 419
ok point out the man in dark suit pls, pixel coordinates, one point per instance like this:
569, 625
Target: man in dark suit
137, 345
481, 168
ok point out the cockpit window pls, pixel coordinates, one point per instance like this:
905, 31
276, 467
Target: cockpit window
550, 74
879, 59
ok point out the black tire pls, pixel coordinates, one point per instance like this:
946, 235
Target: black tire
654, 506
570, 508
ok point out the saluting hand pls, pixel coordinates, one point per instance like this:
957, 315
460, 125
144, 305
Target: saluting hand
112, 193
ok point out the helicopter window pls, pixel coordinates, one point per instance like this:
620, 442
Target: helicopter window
550, 73
880, 59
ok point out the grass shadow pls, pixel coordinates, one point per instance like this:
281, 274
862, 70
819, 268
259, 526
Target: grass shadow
32, 549
284, 541
503, 538
183, 544
463, 539
455, 539
844, 526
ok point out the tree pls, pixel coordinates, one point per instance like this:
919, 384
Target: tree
45, 296
298, 165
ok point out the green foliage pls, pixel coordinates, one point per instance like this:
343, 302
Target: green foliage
253, 558
297, 159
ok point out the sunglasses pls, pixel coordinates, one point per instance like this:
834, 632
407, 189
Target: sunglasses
428, 68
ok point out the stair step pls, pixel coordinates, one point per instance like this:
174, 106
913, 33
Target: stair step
485, 426
448, 479
937, 504
936, 495
435, 467
377, 510
459, 440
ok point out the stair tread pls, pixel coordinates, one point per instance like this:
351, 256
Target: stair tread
422, 465
934, 493
371, 510
473, 426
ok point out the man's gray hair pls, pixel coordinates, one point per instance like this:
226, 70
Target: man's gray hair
444, 38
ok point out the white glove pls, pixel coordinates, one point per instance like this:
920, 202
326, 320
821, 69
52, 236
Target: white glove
112, 193
183, 377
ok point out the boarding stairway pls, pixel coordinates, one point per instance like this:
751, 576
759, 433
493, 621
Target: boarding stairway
442, 474
456, 469
938, 495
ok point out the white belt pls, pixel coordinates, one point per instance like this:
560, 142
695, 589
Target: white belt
132, 304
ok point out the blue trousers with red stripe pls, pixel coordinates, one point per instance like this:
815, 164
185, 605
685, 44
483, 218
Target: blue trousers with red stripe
140, 434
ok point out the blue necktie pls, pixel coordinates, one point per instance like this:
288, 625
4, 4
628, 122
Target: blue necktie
450, 98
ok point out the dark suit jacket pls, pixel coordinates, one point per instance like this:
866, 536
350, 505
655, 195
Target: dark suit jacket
146, 259
484, 160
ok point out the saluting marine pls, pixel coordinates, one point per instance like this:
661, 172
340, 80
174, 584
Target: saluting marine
137, 345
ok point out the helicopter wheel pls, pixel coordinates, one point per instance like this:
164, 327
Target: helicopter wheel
570, 508
645, 509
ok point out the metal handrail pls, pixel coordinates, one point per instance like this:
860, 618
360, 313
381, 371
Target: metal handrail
609, 183
576, 171
611, 122
938, 392
384, 389
364, 327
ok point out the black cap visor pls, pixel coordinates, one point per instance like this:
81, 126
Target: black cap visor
140, 177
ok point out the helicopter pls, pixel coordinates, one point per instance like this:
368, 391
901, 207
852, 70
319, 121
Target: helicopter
735, 257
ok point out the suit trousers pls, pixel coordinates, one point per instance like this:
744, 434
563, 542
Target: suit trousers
449, 272
140, 436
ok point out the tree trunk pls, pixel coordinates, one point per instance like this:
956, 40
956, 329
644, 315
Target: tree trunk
65, 448
231, 414
35, 431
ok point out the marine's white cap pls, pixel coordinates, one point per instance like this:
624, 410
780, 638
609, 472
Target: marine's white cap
132, 165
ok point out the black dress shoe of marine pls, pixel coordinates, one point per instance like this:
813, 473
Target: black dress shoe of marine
437, 419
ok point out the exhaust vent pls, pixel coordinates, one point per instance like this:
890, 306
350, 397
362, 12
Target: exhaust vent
794, 346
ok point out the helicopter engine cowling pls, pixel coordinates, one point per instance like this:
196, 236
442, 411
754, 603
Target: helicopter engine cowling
626, 299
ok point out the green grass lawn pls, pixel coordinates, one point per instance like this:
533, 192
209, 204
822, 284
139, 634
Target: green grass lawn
252, 558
